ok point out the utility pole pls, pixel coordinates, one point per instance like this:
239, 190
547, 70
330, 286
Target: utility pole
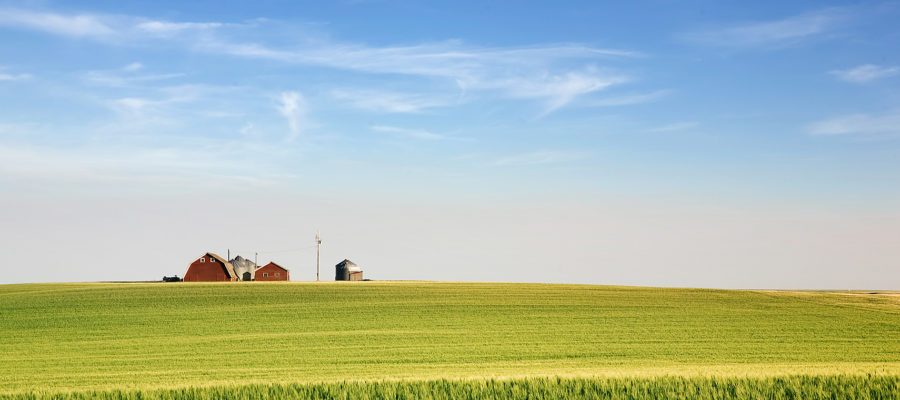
256, 259
318, 244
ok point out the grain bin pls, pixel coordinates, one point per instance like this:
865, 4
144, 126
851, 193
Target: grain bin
243, 268
347, 271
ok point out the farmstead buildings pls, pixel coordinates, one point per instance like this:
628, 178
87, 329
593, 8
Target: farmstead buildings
210, 267
347, 271
271, 272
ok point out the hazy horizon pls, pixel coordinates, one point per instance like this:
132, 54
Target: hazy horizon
690, 144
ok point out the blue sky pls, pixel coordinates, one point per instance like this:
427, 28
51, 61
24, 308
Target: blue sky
755, 111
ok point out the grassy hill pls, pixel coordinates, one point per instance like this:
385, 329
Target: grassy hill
148, 336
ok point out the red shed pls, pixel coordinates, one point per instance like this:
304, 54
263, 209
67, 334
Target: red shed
271, 272
208, 268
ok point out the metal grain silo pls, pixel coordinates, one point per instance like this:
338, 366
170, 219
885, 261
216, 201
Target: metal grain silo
347, 271
243, 268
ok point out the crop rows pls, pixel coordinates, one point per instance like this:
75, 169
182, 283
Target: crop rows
794, 387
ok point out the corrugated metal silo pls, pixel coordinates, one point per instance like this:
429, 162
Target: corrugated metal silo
243, 268
345, 269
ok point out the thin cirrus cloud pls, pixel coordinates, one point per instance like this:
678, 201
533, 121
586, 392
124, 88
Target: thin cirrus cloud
386, 102
161, 109
538, 158
537, 73
14, 77
133, 103
101, 27
629, 99
168, 28
859, 124
866, 73
673, 127
559, 90
108, 79
78, 25
450, 59
554, 74
406, 132
125, 76
133, 67
778, 32
166, 95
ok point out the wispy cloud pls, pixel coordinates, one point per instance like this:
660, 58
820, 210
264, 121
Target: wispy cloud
132, 67
141, 114
169, 28
118, 79
102, 27
148, 110
444, 59
14, 77
78, 25
411, 133
558, 90
856, 124
866, 73
168, 95
539, 157
779, 32
133, 103
386, 102
293, 108
248, 130
554, 74
532, 73
675, 126
629, 99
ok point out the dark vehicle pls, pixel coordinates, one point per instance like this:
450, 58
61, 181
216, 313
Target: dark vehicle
171, 278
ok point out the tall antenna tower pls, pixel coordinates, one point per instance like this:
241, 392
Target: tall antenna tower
318, 244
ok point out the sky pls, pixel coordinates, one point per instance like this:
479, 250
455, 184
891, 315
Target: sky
656, 143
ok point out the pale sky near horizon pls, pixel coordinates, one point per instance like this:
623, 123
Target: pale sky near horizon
657, 143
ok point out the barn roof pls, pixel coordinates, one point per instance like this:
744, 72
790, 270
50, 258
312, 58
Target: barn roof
228, 266
272, 263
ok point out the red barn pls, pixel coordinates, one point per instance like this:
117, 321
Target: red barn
209, 268
271, 272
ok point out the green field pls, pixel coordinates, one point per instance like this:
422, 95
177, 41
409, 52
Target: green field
153, 338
